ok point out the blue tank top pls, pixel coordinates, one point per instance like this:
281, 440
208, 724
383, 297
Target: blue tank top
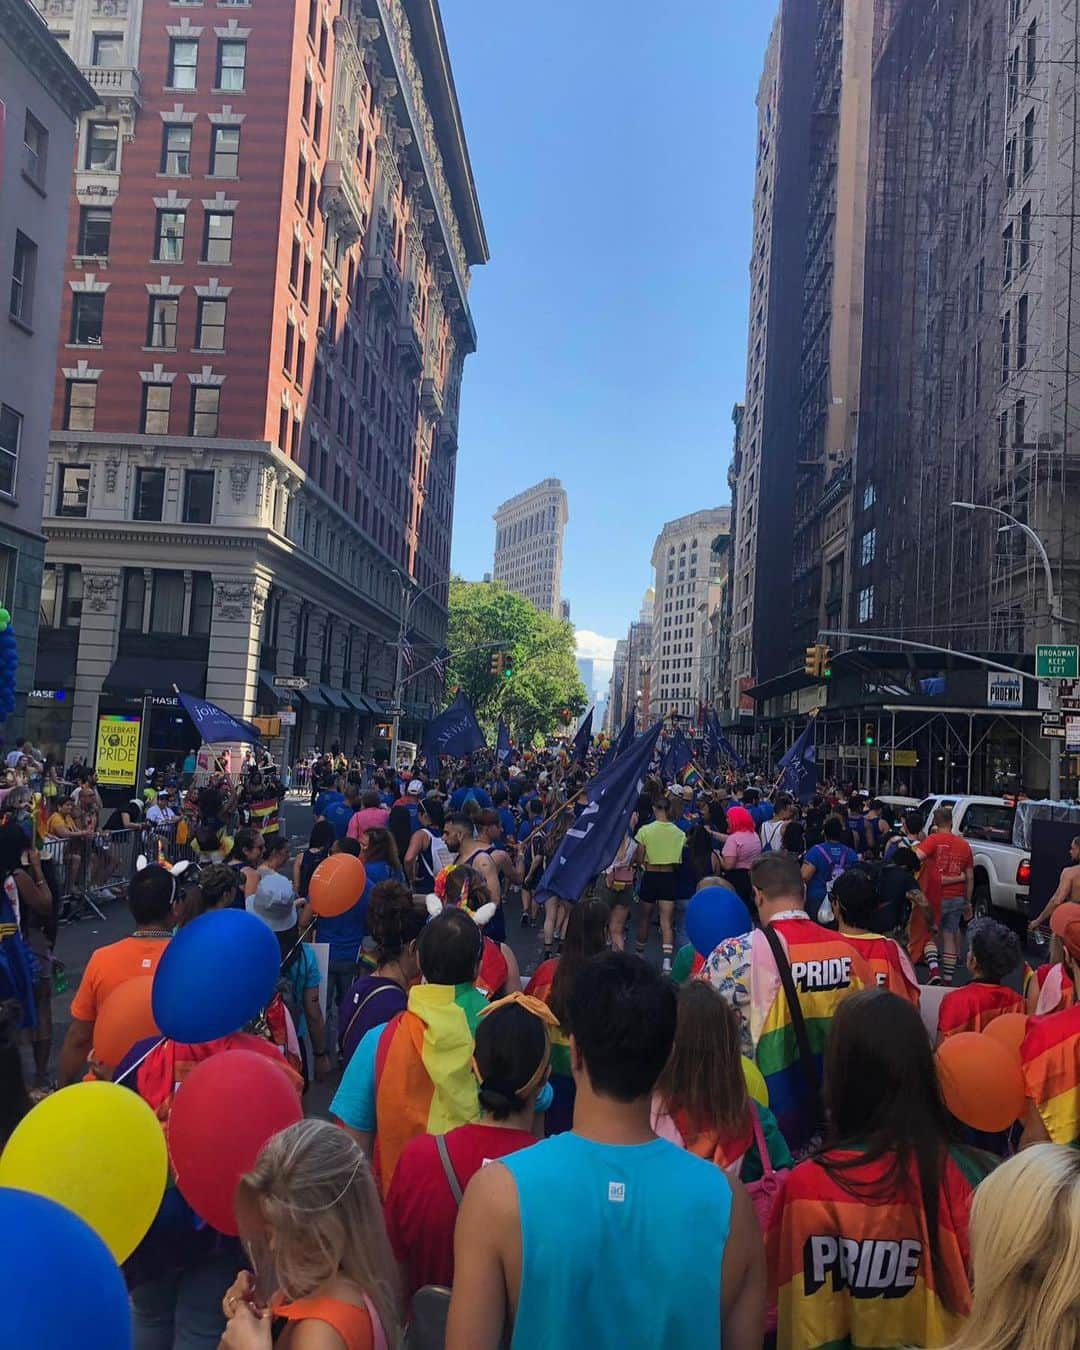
653, 1208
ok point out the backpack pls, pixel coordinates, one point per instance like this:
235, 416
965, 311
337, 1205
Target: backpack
470, 796
893, 908
764, 1194
772, 832
440, 855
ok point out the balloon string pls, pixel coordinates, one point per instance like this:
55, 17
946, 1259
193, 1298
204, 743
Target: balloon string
299, 942
132, 1067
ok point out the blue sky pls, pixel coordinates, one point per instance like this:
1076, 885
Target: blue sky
613, 145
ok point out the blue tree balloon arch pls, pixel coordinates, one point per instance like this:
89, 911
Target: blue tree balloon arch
9, 661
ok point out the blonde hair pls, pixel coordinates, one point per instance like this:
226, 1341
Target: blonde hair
1025, 1245
312, 1185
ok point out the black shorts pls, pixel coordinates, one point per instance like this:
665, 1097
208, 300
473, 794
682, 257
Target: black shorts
657, 886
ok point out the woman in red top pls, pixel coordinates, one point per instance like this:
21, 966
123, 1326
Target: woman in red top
324, 1275
511, 1064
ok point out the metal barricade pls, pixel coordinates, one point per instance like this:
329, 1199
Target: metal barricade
87, 872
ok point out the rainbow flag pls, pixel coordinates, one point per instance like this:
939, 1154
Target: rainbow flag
423, 1070
974, 1007
848, 1272
888, 963
1050, 1057
540, 987
689, 776
826, 968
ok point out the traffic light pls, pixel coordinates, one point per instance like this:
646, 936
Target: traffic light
498, 663
819, 661
868, 733
508, 669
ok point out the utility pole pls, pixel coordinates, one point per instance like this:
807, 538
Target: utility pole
408, 604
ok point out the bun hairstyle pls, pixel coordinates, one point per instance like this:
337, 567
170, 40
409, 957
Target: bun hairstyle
394, 919
511, 1058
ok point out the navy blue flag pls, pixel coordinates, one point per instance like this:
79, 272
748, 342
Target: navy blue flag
593, 839
724, 746
710, 742
454, 732
582, 740
214, 724
799, 766
621, 742
676, 757
502, 745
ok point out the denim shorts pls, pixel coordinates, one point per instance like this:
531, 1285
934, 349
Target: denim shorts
952, 911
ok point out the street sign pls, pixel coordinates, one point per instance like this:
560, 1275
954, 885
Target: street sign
287, 717
1072, 733
1057, 662
395, 710
905, 759
1053, 726
291, 682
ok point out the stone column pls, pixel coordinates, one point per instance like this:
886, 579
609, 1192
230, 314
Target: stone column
232, 672
99, 634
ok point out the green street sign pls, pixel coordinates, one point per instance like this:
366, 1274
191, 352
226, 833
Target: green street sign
1057, 663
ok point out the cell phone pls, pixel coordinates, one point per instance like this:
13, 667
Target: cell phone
265, 1283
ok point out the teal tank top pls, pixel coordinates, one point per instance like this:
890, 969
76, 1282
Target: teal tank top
651, 1210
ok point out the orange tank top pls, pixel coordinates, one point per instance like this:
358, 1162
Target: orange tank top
355, 1325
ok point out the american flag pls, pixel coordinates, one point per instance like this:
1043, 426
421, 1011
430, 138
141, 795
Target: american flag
440, 663
407, 654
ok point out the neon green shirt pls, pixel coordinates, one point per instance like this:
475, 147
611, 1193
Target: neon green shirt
663, 843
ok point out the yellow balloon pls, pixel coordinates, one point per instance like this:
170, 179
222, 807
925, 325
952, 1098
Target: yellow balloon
755, 1083
98, 1150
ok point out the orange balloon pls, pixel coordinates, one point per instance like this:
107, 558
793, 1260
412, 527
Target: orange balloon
336, 885
980, 1081
1009, 1030
126, 1017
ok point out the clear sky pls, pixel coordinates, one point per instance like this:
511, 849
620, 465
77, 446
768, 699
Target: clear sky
613, 143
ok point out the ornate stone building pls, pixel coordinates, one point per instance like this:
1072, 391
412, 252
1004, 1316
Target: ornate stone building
265, 323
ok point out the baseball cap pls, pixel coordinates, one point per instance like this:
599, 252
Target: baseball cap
677, 790
415, 788
274, 902
1065, 924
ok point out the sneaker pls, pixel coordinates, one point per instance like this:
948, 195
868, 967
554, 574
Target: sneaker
526, 922
665, 966
934, 979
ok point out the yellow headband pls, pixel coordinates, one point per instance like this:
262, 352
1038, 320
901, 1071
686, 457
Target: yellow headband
538, 1008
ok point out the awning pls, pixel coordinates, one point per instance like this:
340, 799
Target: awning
140, 674
374, 707
356, 701
54, 669
312, 695
267, 681
332, 696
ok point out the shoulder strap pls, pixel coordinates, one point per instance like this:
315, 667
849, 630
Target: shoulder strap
798, 1023
767, 1167
361, 1006
448, 1168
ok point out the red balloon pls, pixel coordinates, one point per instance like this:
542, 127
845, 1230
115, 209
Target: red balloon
336, 885
1008, 1030
226, 1110
980, 1081
126, 1017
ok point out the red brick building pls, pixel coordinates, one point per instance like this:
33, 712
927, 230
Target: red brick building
265, 323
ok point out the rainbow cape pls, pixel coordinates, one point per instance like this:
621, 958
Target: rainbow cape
888, 963
848, 1272
540, 987
974, 1007
826, 968
423, 1070
1050, 1056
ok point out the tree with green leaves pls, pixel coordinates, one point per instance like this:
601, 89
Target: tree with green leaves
540, 679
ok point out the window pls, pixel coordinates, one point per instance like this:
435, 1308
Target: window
202, 599
1010, 164
868, 547
73, 493
155, 409
1029, 141
224, 152
80, 405
294, 265
1020, 422
87, 317
316, 131
305, 102
1014, 77
210, 334
71, 610
176, 148
199, 496
10, 436
205, 401
1006, 255
231, 56
301, 180
1030, 46
989, 823
980, 285
217, 237
107, 50
290, 346
131, 614
35, 149
167, 603
21, 303
95, 225
170, 236
866, 604
183, 63
1025, 234
1006, 347
161, 328
1021, 332
323, 38
149, 494
869, 496
101, 142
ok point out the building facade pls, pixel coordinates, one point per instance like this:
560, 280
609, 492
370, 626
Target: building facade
529, 530
616, 703
264, 329
764, 462
41, 95
681, 560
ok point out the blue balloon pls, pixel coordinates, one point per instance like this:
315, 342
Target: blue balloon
714, 915
44, 1236
215, 975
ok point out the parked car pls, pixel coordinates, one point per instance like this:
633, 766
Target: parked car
1002, 872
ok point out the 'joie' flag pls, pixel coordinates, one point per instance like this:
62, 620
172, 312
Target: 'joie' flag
502, 745
676, 757
591, 842
717, 744
622, 742
455, 732
583, 739
799, 765
214, 724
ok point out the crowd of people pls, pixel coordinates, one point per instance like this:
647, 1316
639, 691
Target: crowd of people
754, 1136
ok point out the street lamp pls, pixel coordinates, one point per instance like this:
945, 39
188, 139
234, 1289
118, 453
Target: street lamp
1056, 625
408, 604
